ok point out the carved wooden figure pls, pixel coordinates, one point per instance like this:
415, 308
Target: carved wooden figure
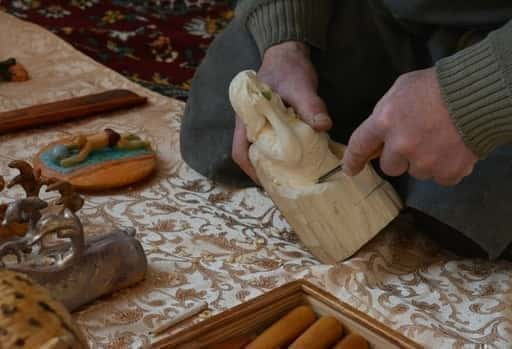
333, 219
10, 70
31, 182
69, 198
28, 178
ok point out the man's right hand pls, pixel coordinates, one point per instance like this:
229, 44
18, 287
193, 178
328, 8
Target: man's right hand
288, 70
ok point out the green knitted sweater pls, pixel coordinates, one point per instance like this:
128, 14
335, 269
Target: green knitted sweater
476, 82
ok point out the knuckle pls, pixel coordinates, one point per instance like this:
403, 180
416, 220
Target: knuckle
447, 181
403, 146
405, 78
391, 169
424, 164
387, 169
449, 178
354, 148
384, 118
393, 164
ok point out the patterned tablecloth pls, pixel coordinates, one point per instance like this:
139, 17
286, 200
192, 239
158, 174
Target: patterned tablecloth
205, 242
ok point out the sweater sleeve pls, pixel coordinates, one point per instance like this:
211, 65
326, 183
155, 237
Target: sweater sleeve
476, 84
274, 21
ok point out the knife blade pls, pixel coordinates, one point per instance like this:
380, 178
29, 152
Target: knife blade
339, 168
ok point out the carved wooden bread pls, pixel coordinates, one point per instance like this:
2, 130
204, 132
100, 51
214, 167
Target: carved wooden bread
30, 318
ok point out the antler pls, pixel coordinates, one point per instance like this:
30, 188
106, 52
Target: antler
28, 178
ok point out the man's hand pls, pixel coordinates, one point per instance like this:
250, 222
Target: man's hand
287, 69
412, 124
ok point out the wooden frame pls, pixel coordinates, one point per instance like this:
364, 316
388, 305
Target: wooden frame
257, 314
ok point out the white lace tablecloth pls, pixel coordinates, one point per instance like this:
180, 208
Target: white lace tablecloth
204, 242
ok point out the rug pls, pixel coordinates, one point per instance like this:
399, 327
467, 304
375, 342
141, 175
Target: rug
155, 43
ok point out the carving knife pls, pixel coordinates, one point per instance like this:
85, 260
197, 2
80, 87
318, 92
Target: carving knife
339, 168
68, 109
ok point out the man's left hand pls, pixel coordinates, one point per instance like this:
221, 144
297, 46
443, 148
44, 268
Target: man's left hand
412, 125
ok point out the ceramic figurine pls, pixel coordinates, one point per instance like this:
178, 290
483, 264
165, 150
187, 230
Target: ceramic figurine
30, 180
10, 70
103, 160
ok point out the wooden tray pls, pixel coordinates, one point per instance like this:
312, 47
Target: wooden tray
259, 313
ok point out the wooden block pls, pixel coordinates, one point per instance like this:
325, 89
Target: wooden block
336, 218
333, 219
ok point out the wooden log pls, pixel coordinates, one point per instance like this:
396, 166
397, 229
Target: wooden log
333, 219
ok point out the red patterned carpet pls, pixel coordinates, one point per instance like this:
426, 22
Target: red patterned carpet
157, 43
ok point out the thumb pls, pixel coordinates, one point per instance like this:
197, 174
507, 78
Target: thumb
310, 107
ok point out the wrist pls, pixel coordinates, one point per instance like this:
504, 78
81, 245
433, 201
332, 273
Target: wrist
287, 47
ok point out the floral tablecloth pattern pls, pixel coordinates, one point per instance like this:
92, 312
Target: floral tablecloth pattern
206, 242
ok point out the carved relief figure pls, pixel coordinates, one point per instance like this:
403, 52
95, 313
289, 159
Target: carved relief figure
85, 144
94, 162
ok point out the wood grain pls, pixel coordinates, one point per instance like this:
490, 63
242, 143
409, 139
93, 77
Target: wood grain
338, 217
73, 108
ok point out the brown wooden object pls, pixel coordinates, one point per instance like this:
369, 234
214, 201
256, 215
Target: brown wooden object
321, 335
284, 331
353, 341
68, 109
102, 176
258, 314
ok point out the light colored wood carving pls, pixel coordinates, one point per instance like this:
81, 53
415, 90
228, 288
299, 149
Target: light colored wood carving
333, 219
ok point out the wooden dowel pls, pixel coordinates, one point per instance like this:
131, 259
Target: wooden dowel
73, 108
286, 330
188, 313
352, 341
325, 332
